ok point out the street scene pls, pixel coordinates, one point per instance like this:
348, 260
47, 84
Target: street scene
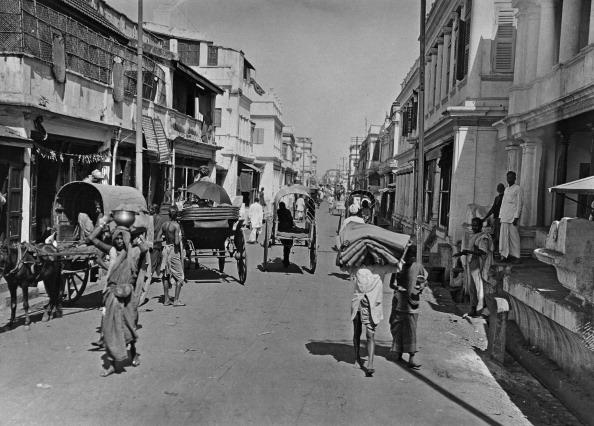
390, 222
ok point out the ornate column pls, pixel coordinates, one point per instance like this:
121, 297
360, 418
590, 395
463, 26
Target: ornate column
570, 34
531, 160
514, 158
445, 63
439, 71
546, 38
532, 47
436, 195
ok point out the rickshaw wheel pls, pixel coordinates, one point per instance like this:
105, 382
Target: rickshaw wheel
74, 283
266, 244
339, 223
242, 267
313, 252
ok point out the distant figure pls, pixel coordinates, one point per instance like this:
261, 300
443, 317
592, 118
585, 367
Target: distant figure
355, 216
261, 197
203, 175
300, 208
495, 209
256, 216
285, 224
511, 209
366, 211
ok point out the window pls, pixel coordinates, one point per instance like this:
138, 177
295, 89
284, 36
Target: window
463, 43
447, 65
258, 136
284, 152
189, 52
445, 184
213, 56
429, 189
503, 48
217, 117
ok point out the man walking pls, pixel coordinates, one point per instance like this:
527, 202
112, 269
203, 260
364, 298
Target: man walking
495, 209
256, 216
172, 265
509, 216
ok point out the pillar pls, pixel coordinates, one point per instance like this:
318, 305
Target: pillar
436, 195
445, 64
532, 47
431, 79
455, 23
531, 160
521, 40
439, 72
514, 159
591, 32
546, 38
570, 34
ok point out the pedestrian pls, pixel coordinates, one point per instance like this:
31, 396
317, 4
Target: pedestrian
300, 208
509, 215
330, 202
95, 177
261, 197
172, 267
256, 216
203, 175
366, 211
479, 259
495, 209
119, 324
408, 286
367, 306
285, 224
159, 218
354, 216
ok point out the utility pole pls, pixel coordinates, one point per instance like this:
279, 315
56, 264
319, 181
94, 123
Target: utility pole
421, 142
138, 175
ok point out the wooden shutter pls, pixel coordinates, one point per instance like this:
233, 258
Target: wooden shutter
14, 203
503, 48
460, 44
217, 117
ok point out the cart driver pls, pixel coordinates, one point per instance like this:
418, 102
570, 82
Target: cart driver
172, 266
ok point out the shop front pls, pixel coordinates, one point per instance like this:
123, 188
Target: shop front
249, 182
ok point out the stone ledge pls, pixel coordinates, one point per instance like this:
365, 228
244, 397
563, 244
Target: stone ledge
536, 285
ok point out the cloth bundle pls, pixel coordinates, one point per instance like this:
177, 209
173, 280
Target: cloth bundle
360, 240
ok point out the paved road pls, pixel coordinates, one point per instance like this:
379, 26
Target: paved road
275, 351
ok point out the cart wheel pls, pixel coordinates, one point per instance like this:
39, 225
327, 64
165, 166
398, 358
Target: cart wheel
266, 244
313, 252
74, 283
339, 223
242, 267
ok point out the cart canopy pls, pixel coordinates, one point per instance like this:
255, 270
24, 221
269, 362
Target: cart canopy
289, 190
583, 186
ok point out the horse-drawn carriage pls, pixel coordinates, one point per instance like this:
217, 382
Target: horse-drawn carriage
305, 236
210, 231
79, 263
366, 203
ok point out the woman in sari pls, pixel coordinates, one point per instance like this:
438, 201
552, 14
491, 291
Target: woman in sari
118, 327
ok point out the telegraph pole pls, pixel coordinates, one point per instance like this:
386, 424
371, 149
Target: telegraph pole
421, 142
138, 175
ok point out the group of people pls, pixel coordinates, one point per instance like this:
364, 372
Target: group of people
408, 280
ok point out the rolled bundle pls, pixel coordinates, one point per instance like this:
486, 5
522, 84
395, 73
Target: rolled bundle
358, 241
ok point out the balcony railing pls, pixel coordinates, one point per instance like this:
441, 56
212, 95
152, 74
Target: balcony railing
190, 128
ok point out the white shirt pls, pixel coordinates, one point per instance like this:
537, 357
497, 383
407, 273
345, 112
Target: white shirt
256, 215
300, 204
511, 205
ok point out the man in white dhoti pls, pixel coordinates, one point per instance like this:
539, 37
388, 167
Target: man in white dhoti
509, 215
256, 216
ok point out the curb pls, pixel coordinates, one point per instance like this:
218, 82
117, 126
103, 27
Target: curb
576, 398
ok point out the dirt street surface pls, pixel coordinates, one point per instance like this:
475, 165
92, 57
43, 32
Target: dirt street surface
275, 351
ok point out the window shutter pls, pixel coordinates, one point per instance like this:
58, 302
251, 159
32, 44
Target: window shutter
503, 49
259, 136
217, 117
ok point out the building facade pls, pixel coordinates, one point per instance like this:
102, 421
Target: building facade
68, 106
288, 155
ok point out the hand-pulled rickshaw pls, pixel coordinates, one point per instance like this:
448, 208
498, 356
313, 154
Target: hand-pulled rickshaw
79, 262
213, 231
305, 236
359, 197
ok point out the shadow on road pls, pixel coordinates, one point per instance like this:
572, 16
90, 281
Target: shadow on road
277, 266
443, 299
343, 352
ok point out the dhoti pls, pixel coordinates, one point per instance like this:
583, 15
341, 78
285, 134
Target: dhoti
171, 263
509, 240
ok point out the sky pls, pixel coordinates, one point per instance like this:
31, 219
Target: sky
335, 64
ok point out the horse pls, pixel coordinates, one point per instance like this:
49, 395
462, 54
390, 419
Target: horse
23, 264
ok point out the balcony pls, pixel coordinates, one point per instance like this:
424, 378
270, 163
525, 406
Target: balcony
187, 127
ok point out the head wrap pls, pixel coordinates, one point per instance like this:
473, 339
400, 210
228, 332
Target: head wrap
125, 233
353, 209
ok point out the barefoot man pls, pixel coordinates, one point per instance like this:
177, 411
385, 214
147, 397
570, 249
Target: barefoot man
172, 265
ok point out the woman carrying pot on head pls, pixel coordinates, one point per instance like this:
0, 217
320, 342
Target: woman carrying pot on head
118, 326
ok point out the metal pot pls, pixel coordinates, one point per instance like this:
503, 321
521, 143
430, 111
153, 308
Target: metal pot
124, 217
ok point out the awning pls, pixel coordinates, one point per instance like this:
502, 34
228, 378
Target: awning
581, 186
156, 140
249, 168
